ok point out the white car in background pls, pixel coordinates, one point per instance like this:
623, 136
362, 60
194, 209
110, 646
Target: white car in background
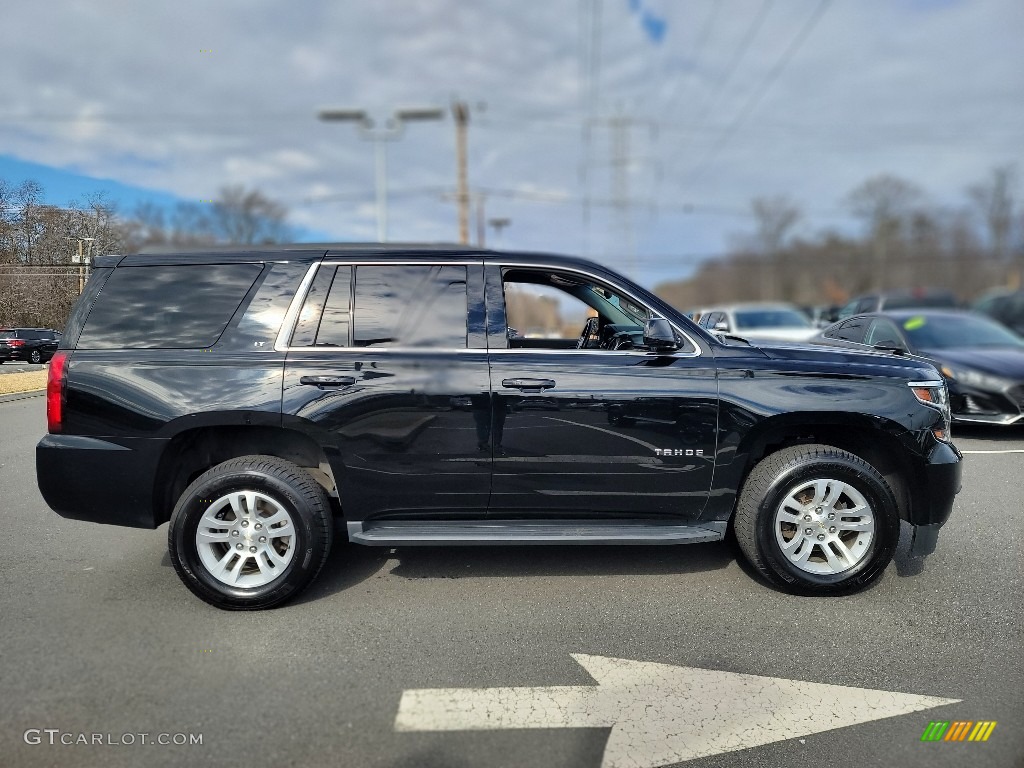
758, 321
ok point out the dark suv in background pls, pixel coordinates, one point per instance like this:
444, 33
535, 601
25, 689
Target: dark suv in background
261, 398
31, 345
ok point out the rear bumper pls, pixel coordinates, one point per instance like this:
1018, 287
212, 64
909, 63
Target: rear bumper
84, 478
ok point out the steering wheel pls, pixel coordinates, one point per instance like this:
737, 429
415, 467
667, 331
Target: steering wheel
589, 329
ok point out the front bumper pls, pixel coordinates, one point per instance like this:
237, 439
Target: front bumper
932, 503
971, 405
84, 478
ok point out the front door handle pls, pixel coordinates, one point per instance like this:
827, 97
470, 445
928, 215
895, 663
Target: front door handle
525, 384
328, 381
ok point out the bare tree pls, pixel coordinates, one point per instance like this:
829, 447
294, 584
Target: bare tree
248, 216
774, 218
883, 202
994, 200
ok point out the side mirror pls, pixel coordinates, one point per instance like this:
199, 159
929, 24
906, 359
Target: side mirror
659, 336
721, 327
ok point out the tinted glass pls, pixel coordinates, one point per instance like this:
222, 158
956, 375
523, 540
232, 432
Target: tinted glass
334, 324
410, 306
770, 318
851, 330
170, 307
883, 331
8, 334
949, 331
308, 321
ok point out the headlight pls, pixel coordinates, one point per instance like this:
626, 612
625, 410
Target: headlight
935, 395
976, 379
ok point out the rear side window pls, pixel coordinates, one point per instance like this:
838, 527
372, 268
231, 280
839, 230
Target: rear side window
389, 306
410, 306
167, 307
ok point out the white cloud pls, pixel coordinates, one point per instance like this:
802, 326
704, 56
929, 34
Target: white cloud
189, 97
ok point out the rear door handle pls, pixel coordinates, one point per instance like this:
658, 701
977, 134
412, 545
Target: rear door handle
528, 383
328, 381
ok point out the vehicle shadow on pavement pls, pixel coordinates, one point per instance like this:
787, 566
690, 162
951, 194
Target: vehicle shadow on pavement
608, 560
347, 566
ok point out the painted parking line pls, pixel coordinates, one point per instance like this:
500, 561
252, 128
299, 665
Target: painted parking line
659, 713
1007, 450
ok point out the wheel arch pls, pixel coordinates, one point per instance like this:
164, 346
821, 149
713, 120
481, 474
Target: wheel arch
880, 442
193, 451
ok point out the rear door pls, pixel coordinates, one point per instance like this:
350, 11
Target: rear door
387, 368
597, 431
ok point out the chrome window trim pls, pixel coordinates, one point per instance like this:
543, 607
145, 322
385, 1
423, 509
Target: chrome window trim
291, 316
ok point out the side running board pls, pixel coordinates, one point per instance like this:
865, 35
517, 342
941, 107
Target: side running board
514, 532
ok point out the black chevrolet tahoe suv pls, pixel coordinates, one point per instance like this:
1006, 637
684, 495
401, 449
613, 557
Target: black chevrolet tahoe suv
261, 399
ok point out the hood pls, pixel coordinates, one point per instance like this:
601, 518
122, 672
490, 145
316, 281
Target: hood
1005, 362
845, 359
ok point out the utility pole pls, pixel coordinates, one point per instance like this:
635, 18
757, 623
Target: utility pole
460, 111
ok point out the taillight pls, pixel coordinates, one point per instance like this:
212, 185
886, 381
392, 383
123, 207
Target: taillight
16, 342
55, 380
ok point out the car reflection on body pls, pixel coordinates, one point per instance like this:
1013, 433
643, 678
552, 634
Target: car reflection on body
982, 362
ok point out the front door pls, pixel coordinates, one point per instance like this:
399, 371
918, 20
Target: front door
586, 423
387, 368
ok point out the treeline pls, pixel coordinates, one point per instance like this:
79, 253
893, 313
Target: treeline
904, 242
38, 281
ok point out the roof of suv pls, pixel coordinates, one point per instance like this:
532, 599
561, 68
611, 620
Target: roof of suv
162, 255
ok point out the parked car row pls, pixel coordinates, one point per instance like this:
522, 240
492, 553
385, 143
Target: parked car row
981, 360
30, 345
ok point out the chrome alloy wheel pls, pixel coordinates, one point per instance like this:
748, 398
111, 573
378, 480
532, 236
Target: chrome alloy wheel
824, 526
245, 539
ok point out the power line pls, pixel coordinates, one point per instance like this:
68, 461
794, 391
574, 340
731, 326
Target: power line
748, 38
698, 48
758, 93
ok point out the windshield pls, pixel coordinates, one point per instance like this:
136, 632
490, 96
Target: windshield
950, 331
770, 318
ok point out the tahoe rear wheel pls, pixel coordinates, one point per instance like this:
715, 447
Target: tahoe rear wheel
815, 519
250, 533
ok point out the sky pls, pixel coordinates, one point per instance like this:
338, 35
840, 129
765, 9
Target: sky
669, 116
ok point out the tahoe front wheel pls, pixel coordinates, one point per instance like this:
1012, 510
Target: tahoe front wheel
815, 519
250, 533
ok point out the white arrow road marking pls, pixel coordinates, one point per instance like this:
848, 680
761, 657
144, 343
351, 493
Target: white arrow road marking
659, 713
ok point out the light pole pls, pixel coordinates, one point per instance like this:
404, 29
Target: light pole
390, 131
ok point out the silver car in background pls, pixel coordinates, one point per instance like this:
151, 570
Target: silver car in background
757, 321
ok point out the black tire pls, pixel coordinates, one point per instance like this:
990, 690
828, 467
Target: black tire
768, 485
288, 486
35, 357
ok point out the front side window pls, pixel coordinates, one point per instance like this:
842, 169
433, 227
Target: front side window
546, 309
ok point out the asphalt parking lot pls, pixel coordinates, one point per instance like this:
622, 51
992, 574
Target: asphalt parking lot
98, 636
